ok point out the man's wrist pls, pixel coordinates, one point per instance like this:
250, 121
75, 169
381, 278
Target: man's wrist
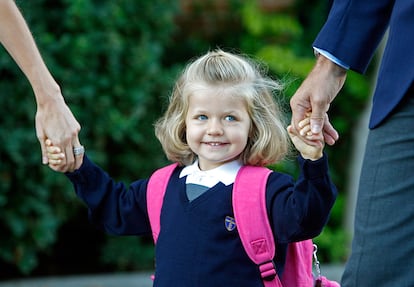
318, 51
333, 67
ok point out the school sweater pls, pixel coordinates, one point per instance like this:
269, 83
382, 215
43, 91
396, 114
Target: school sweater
194, 247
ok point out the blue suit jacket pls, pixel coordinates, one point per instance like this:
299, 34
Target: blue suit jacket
352, 33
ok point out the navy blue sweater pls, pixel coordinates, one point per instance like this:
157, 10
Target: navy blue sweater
194, 247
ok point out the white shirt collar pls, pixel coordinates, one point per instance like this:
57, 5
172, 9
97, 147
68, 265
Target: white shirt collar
226, 173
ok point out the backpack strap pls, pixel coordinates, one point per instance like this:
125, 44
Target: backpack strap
157, 185
298, 266
250, 212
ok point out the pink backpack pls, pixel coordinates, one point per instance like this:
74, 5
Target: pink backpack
249, 206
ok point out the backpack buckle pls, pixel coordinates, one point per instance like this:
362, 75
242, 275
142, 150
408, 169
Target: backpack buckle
268, 270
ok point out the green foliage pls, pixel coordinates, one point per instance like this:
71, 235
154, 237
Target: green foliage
107, 56
129, 253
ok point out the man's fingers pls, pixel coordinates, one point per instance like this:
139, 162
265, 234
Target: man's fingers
329, 132
299, 109
328, 139
330, 135
316, 123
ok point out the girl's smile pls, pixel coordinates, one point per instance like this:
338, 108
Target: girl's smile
214, 144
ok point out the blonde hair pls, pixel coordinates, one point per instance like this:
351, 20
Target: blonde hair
240, 77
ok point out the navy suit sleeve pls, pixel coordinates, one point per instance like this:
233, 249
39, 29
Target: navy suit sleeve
354, 30
300, 209
112, 206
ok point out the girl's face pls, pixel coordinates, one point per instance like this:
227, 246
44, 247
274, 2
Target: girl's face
217, 127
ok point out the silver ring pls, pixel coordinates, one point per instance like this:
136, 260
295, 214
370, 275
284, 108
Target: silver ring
78, 150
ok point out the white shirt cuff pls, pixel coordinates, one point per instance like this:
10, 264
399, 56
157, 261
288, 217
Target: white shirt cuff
331, 57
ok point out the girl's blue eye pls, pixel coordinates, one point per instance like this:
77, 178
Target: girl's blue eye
230, 118
202, 117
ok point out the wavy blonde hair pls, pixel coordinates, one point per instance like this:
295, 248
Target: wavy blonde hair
239, 76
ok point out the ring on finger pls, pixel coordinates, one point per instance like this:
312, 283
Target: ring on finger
78, 150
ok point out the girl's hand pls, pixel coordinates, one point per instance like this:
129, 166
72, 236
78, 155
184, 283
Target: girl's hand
313, 147
56, 158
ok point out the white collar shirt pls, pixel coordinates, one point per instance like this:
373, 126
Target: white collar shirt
225, 173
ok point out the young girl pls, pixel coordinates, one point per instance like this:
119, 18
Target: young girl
221, 116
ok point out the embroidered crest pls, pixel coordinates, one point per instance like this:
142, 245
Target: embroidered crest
230, 223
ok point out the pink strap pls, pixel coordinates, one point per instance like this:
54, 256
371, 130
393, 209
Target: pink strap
298, 267
250, 212
157, 185
328, 283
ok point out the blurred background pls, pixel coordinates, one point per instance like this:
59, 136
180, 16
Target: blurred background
116, 62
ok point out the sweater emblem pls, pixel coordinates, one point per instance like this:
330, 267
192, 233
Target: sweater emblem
230, 223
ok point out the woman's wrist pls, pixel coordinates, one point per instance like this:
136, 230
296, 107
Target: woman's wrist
45, 88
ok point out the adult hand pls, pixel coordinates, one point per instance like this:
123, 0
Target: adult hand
314, 96
56, 156
55, 121
311, 149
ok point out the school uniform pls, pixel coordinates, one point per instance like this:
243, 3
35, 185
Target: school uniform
197, 246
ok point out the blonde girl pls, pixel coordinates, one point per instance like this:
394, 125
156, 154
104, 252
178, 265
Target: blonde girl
222, 115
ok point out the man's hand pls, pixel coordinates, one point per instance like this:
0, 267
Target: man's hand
315, 95
309, 145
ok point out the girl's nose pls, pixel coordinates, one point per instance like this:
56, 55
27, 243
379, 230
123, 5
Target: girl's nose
214, 127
